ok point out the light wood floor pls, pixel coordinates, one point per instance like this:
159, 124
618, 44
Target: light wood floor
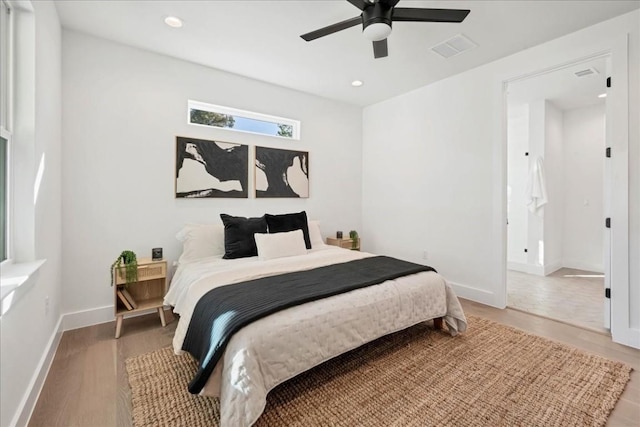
568, 295
87, 385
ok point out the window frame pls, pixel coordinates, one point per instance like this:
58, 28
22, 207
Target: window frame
7, 63
8, 248
213, 108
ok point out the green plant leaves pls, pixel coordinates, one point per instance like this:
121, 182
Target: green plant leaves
131, 266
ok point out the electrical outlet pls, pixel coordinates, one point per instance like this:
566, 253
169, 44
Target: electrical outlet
46, 305
425, 255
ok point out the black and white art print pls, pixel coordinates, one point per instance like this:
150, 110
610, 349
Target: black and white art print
281, 173
211, 169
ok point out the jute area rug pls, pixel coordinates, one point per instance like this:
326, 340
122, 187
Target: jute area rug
492, 375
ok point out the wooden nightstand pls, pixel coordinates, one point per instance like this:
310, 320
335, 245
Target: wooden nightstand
147, 293
343, 243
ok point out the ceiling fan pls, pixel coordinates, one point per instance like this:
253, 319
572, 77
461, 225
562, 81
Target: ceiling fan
376, 19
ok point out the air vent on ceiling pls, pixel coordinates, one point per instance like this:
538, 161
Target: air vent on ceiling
454, 46
586, 72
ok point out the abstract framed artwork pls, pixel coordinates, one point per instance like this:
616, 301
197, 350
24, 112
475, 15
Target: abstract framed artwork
281, 173
211, 169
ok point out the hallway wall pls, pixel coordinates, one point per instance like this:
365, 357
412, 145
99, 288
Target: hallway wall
584, 146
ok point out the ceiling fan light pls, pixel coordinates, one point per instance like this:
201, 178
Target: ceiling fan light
377, 31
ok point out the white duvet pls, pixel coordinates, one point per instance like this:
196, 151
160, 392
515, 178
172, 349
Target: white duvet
278, 347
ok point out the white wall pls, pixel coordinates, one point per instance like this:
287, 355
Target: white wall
542, 229
537, 136
427, 181
572, 144
434, 170
28, 334
584, 145
540, 232
517, 170
122, 110
554, 180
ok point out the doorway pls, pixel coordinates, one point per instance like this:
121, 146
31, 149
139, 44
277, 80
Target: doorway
557, 248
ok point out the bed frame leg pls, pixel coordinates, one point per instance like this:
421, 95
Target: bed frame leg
438, 323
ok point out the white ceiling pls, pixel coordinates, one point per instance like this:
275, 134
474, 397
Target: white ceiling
261, 39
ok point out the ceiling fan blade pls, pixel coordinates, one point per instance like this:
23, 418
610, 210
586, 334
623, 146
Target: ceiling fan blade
429, 15
380, 49
332, 28
360, 4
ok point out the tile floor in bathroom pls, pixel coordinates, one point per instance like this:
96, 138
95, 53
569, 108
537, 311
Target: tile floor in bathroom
572, 296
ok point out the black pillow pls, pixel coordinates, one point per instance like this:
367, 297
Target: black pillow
290, 222
238, 235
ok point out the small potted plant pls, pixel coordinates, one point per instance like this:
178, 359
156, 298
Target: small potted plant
355, 241
130, 261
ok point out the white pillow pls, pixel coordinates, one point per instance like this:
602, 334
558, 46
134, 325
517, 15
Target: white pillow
314, 234
279, 245
201, 241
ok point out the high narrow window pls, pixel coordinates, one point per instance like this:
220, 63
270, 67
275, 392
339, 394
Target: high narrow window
204, 114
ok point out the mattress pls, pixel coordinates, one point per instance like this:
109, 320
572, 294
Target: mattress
278, 347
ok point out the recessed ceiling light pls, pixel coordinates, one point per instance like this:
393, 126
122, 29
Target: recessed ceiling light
173, 22
602, 95
356, 83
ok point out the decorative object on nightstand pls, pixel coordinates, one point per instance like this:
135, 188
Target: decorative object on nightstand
156, 254
130, 261
346, 243
145, 293
338, 234
355, 241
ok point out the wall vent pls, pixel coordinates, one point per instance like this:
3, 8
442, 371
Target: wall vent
586, 72
454, 46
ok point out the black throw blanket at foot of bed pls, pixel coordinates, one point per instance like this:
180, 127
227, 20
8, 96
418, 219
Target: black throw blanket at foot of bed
224, 310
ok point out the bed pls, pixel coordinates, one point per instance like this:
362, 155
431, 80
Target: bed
275, 348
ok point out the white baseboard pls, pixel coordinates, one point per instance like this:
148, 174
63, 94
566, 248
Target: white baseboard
581, 265
475, 294
90, 317
629, 337
518, 266
525, 268
551, 267
95, 316
554, 266
28, 403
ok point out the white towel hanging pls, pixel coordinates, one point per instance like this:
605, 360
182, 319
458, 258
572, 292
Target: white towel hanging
536, 191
